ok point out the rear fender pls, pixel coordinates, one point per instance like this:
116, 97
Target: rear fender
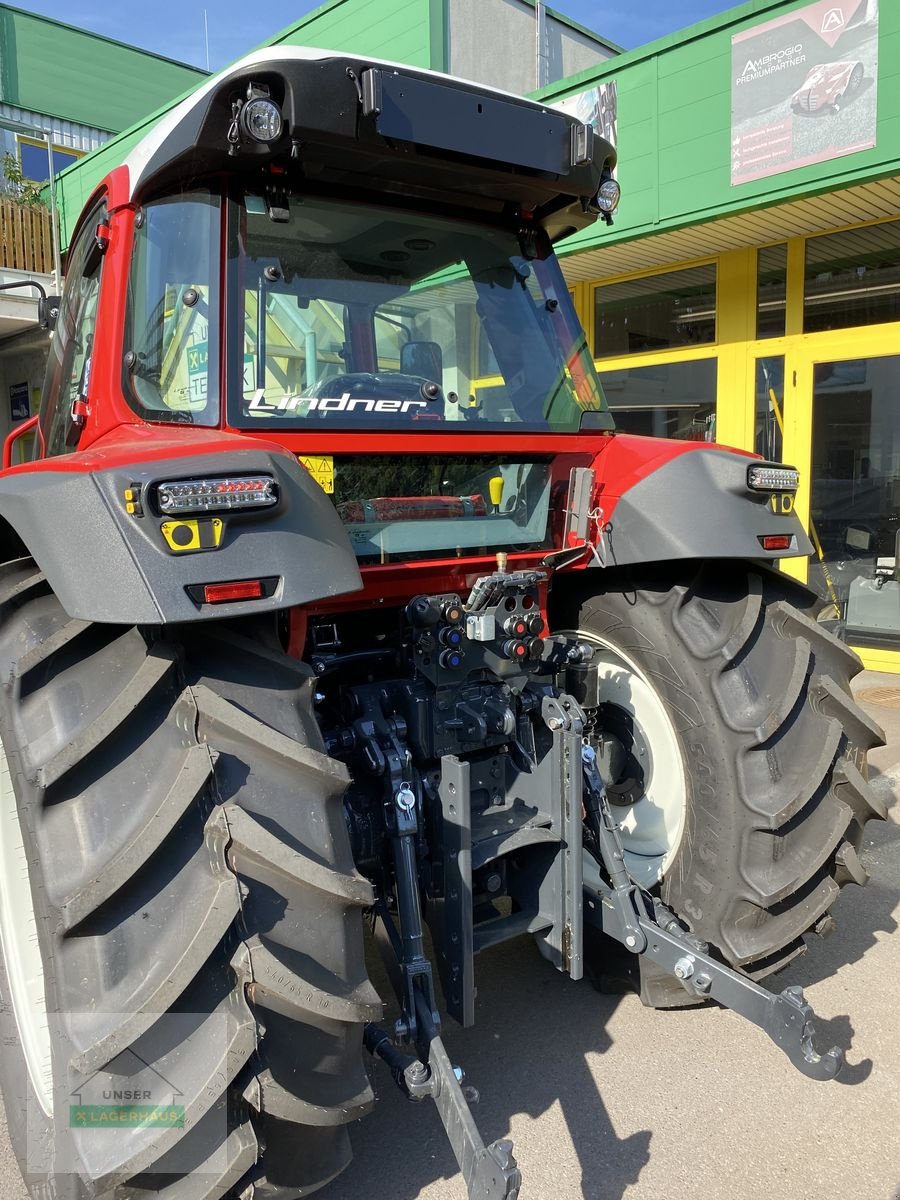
668, 500
106, 565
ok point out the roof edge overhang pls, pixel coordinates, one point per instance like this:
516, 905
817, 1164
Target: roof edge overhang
424, 133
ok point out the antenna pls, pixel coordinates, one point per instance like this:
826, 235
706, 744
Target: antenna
206, 37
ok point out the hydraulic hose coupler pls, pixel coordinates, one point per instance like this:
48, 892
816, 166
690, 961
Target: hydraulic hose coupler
515, 649
516, 627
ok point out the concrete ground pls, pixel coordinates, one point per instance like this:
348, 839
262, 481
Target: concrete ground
605, 1099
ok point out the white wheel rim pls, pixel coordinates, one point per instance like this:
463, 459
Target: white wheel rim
652, 827
19, 942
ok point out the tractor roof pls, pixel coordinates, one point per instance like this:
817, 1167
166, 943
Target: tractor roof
379, 127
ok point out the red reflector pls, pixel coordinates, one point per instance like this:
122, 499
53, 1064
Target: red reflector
218, 593
776, 541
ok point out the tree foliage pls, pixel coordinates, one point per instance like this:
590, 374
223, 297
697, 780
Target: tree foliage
15, 186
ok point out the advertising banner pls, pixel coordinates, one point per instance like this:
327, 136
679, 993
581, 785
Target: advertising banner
804, 88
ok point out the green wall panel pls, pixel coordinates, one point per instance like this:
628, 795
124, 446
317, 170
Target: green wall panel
51, 68
398, 31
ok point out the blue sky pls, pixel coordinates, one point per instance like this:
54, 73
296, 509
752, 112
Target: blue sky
175, 27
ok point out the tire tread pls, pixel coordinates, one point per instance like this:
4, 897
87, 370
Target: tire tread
214, 855
791, 751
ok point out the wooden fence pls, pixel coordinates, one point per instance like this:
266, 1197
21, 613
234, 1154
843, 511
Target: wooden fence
26, 237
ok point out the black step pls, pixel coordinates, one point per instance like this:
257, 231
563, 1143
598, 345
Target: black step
504, 929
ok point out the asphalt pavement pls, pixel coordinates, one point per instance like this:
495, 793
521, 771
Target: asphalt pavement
607, 1100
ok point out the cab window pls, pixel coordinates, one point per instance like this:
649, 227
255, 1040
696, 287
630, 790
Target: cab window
171, 346
69, 363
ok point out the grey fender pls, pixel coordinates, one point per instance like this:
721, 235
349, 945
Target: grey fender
105, 565
698, 505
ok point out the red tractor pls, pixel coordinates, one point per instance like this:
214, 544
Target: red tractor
331, 594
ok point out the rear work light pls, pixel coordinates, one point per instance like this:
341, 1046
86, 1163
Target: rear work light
765, 478
217, 495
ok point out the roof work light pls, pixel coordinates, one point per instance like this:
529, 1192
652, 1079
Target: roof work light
261, 120
608, 196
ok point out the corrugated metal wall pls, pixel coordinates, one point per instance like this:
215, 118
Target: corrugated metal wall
64, 133
493, 42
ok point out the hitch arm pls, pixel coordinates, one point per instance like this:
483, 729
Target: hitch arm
786, 1018
645, 926
490, 1172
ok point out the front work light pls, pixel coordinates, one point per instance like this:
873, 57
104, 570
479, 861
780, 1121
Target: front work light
766, 478
216, 495
260, 120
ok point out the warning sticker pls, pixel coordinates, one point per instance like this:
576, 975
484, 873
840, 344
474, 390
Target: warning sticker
321, 467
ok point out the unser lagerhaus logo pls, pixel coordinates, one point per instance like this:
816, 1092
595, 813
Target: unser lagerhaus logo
137, 1097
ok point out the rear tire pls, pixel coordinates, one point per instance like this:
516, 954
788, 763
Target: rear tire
198, 913
773, 752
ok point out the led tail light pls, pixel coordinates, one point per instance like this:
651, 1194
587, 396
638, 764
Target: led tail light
763, 477
216, 495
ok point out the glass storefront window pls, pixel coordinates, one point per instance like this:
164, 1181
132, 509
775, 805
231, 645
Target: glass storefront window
769, 407
852, 278
671, 400
656, 312
771, 290
856, 497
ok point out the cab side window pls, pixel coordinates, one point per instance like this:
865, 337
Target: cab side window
69, 363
